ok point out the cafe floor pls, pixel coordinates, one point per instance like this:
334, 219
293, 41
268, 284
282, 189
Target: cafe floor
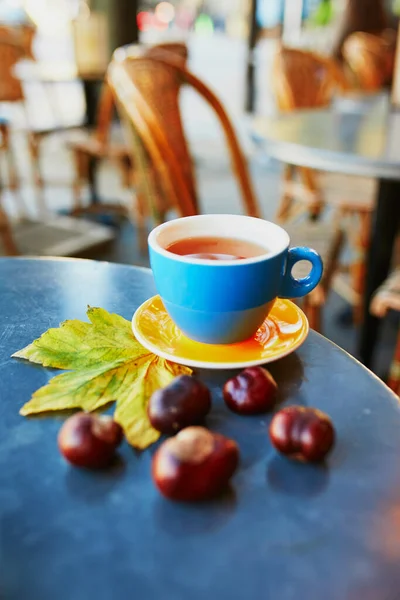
218, 192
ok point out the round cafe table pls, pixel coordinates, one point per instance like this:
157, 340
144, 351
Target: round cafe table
356, 136
283, 530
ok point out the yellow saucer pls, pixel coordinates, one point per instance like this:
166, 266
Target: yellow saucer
284, 330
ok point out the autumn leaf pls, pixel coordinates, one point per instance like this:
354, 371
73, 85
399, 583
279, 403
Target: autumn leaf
76, 344
88, 388
152, 375
105, 364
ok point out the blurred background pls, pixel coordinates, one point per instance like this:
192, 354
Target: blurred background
231, 48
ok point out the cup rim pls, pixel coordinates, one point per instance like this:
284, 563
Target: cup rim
153, 242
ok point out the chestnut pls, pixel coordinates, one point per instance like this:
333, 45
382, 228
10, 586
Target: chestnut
185, 401
194, 465
251, 392
89, 440
304, 433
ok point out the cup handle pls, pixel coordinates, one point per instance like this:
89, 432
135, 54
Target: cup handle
296, 288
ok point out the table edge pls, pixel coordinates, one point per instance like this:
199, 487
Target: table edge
325, 160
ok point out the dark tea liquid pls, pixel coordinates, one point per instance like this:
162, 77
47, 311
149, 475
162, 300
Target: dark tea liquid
216, 248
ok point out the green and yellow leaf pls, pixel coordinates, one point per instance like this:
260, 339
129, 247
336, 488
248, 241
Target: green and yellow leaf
131, 410
105, 364
88, 389
76, 344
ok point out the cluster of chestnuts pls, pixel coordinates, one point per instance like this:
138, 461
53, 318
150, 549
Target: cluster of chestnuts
197, 464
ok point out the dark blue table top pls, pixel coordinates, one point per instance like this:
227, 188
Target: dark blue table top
284, 531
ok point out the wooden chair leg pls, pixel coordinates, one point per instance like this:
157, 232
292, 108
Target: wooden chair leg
76, 193
12, 172
34, 143
394, 373
313, 312
14, 183
81, 161
358, 269
286, 200
13, 180
126, 171
6, 235
309, 181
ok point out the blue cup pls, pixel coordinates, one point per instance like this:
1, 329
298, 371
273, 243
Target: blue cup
224, 302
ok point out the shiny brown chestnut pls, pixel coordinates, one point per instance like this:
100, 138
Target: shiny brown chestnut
251, 392
303, 433
194, 465
185, 401
89, 440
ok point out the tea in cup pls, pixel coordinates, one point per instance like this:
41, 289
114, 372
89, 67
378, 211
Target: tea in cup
219, 275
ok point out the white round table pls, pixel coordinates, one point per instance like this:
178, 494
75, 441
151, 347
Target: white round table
356, 136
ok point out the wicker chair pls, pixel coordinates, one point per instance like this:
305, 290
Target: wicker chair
15, 44
386, 298
96, 145
371, 59
156, 84
10, 91
304, 80
13, 48
146, 92
7, 241
21, 35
